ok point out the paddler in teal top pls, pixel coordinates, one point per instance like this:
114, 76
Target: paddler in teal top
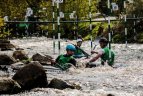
65, 61
106, 55
79, 52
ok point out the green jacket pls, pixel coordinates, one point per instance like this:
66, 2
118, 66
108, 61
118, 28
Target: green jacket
108, 56
63, 62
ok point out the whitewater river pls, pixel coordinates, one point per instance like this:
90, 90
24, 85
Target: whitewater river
124, 80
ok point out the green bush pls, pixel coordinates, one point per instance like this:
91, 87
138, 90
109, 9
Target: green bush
5, 34
140, 37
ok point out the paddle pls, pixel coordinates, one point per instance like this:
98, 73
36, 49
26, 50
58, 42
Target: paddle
96, 42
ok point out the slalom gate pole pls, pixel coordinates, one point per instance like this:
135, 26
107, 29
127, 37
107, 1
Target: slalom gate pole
53, 16
91, 43
58, 17
53, 6
59, 43
125, 21
109, 32
54, 44
109, 37
109, 29
90, 25
135, 38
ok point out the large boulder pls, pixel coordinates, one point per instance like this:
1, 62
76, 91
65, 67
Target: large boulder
9, 86
59, 84
6, 60
31, 76
43, 59
20, 54
6, 45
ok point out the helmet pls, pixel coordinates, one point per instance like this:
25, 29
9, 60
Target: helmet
104, 40
70, 47
79, 40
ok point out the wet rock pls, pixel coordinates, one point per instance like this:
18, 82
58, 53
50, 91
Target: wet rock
9, 86
6, 45
19, 48
110, 95
43, 59
6, 60
17, 66
141, 50
3, 68
49, 57
20, 54
59, 84
31, 76
76, 86
4, 41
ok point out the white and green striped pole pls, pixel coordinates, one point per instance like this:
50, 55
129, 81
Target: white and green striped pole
109, 32
134, 28
126, 41
90, 25
109, 6
54, 44
109, 37
58, 16
53, 5
58, 23
109, 29
76, 32
59, 44
125, 20
112, 33
91, 42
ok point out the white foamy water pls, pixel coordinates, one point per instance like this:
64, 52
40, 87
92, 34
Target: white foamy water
125, 80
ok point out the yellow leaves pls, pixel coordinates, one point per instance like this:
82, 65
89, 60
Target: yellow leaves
5, 34
1, 22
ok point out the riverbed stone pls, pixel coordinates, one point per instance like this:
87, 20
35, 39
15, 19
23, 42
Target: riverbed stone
20, 54
9, 86
59, 84
6, 45
43, 59
6, 59
31, 76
